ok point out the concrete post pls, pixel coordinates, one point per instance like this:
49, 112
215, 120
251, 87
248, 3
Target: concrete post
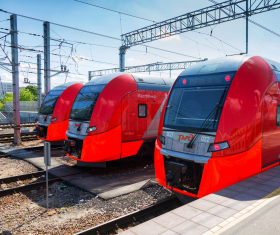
39, 82
47, 72
15, 74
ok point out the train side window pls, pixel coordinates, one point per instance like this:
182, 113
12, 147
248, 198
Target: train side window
142, 110
278, 115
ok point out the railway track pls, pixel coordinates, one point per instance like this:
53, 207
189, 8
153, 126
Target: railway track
126, 221
10, 125
20, 178
8, 138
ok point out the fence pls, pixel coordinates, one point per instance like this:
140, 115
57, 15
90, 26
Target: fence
28, 112
25, 105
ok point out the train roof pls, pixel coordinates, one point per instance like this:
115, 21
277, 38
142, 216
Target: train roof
143, 81
63, 86
225, 64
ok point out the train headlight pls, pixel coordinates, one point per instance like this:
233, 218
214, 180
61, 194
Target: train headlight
90, 129
218, 146
53, 119
161, 139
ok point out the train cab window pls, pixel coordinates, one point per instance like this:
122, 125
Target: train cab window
142, 110
278, 115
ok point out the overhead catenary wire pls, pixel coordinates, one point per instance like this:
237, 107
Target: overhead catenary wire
82, 29
156, 48
122, 13
65, 26
73, 57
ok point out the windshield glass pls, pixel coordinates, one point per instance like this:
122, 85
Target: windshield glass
188, 108
85, 102
49, 102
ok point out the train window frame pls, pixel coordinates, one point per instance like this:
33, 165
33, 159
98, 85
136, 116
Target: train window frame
278, 115
145, 115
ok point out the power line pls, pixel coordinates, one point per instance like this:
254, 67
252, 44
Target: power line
104, 8
32, 34
4, 20
82, 58
170, 51
217, 39
65, 26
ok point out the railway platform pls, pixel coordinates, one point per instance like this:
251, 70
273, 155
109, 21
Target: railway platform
227, 210
81, 178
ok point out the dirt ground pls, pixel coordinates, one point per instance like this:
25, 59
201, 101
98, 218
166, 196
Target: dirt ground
71, 210
10, 130
10, 166
26, 144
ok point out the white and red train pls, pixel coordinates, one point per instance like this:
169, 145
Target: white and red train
220, 125
113, 115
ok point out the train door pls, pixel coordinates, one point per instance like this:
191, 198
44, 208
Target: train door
134, 122
271, 126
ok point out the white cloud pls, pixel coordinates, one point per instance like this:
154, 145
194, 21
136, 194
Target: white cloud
74, 77
6, 77
170, 38
81, 58
130, 59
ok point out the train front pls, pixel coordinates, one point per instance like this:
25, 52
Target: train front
94, 133
210, 130
55, 110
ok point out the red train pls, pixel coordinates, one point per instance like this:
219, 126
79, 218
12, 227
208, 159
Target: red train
55, 110
113, 116
220, 125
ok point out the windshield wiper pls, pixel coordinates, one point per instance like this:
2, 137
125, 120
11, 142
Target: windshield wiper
206, 122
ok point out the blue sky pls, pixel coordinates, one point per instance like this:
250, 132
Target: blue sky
75, 14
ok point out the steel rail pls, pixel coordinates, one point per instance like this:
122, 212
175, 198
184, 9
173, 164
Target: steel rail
11, 124
22, 177
26, 187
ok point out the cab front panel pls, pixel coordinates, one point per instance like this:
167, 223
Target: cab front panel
103, 143
241, 120
107, 111
55, 110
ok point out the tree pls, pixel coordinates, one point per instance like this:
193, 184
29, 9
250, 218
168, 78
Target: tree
26, 95
7, 97
32, 89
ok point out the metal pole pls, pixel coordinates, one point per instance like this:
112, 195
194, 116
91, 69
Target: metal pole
15, 74
39, 82
247, 15
47, 185
47, 161
47, 74
122, 57
89, 78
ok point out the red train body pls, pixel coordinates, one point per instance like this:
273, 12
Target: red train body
54, 112
220, 125
114, 115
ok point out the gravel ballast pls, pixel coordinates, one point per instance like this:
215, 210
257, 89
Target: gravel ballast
70, 209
